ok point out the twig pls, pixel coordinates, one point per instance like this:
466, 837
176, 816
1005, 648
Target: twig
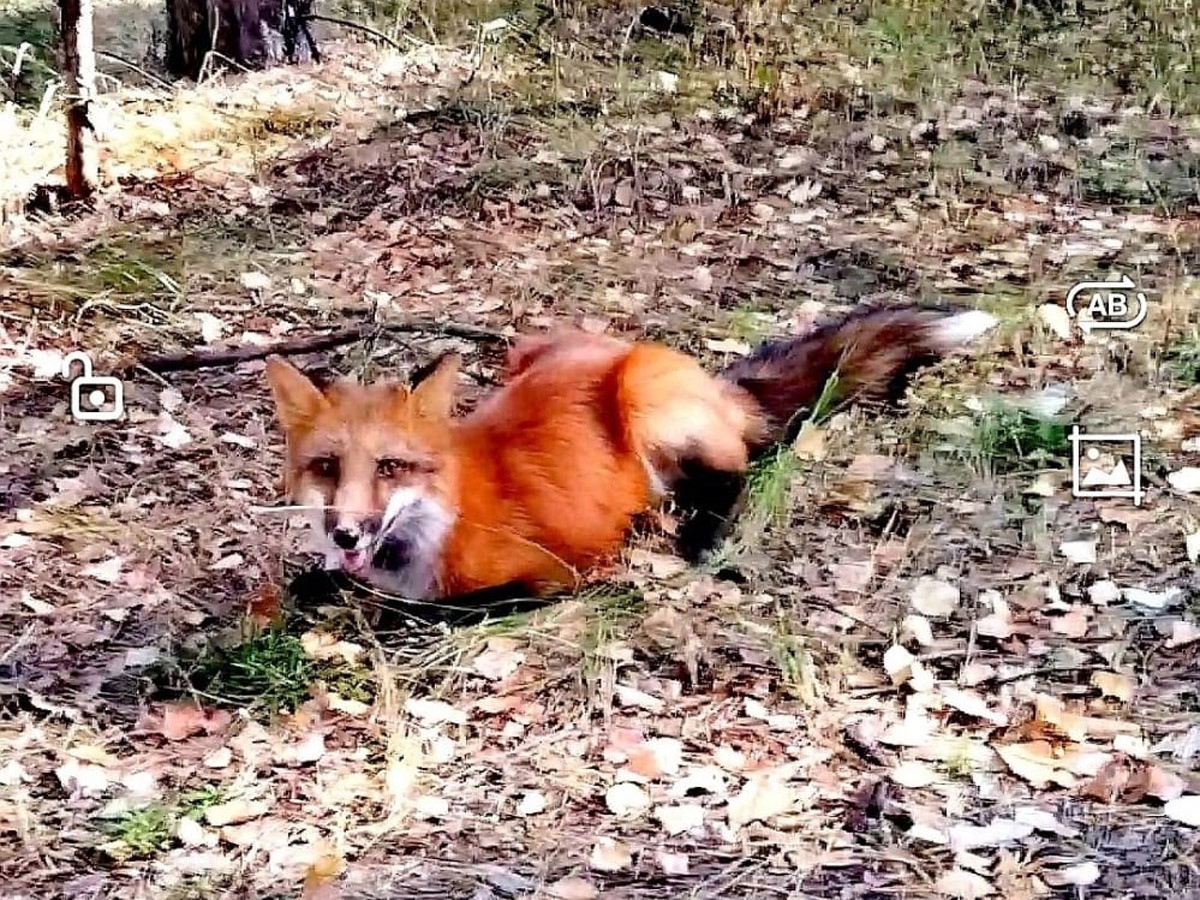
346, 23
191, 360
161, 82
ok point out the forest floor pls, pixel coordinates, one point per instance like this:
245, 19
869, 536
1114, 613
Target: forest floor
921, 668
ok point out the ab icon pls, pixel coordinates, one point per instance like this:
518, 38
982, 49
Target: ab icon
1108, 304
90, 401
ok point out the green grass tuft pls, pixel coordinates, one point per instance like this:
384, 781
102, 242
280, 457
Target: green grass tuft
141, 833
269, 671
1009, 438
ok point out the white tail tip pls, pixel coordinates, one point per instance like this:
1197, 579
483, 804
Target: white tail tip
963, 328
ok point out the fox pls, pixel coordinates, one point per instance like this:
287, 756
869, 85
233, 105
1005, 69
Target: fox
540, 484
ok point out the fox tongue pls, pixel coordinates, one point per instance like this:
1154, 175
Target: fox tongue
354, 560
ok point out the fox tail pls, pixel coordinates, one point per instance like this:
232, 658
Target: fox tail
868, 356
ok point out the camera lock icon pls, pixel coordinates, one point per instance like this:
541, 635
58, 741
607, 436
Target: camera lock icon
95, 388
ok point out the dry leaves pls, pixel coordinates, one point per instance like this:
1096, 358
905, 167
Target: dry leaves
179, 721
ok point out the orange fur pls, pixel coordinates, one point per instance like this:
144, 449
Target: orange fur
542, 481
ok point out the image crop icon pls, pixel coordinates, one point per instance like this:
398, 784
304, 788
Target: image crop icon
1106, 465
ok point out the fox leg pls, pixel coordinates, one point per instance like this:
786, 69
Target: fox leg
709, 500
694, 432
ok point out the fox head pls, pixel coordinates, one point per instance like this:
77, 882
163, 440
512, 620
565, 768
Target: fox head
370, 460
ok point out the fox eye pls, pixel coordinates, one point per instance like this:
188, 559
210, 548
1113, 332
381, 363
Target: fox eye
389, 467
324, 467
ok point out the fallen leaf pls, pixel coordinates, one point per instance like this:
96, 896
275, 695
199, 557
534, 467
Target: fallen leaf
1074, 623
321, 874
37, 607
903, 668
673, 863
656, 757
429, 807
219, 758
963, 885
626, 799
269, 833
1115, 685
192, 834
678, 819
973, 705
1186, 479
1053, 711
729, 759
1057, 319
999, 831
171, 433
308, 749
13, 773
609, 855
170, 399
232, 561
1035, 761
85, 779
256, 281
1183, 633
1152, 599
433, 712
210, 326
810, 443
997, 625
235, 812
728, 345
854, 577
631, 696
934, 597
1082, 874
913, 774
1079, 552
499, 660
1043, 820
897, 662
1185, 809
108, 571
572, 888
1164, 785
324, 645
761, 798
178, 721
1045, 485
531, 803
918, 628
1191, 544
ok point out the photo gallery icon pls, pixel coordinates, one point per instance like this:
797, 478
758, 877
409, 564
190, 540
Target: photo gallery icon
1106, 465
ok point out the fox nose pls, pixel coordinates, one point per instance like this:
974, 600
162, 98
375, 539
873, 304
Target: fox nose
345, 538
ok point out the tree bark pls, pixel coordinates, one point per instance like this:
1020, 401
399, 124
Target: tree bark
79, 77
247, 32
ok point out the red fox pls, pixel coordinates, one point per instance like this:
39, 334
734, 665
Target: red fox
541, 482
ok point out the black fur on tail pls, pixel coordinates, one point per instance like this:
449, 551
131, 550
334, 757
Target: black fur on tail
867, 356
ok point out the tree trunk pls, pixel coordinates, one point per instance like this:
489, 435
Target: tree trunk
79, 77
250, 33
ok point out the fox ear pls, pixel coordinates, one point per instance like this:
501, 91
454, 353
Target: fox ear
297, 399
433, 396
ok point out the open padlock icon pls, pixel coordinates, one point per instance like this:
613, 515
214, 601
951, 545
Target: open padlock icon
96, 389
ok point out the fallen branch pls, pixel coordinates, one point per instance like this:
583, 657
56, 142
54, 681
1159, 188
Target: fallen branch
191, 360
346, 23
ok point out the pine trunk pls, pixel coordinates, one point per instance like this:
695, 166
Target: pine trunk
208, 35
79, 77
